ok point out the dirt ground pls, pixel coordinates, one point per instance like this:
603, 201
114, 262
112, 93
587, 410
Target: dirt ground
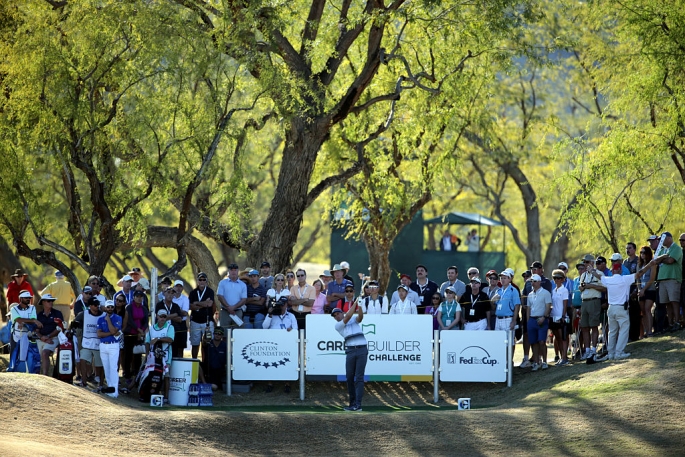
632, 407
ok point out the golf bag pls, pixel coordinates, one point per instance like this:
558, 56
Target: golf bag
65, 364
150, 379
25, 357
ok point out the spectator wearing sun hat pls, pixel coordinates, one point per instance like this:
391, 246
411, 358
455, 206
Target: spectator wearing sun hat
335, 291
18, 284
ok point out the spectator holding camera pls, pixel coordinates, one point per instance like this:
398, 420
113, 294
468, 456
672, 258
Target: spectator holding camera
278, 318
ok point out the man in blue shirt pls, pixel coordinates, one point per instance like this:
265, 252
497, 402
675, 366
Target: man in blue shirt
335, 291
508, 306
232, 295
109, 331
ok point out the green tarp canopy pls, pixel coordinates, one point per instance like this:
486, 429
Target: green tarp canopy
462, 219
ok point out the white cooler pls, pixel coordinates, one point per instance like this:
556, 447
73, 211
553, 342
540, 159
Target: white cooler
183, 373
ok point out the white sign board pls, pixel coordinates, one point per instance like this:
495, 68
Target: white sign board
399, 345
473, 356
265, 355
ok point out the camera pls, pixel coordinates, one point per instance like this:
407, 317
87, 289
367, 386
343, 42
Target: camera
277, 305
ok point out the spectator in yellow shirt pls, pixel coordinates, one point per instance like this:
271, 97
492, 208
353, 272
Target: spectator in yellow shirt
63, 293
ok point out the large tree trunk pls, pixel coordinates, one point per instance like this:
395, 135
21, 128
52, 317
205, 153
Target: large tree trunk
279, 234
8, 263
379, 256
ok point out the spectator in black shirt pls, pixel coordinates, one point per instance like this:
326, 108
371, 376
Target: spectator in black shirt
202, 310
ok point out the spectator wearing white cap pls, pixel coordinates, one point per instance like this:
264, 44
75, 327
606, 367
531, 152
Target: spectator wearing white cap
22, 313
346, 270
63, 293
508, 305
126, 289
403, 305
539, 309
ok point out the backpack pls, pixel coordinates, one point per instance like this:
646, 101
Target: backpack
380, 302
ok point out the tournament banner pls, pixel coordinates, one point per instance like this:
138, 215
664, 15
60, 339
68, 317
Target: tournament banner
400, 347
473, 356
265, 355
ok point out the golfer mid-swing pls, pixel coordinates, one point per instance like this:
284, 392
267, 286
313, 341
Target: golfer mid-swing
356, 351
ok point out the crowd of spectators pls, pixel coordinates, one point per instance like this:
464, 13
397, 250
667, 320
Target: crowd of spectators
589, 312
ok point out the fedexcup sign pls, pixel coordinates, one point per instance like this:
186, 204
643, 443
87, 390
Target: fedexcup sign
476, 355
473, 356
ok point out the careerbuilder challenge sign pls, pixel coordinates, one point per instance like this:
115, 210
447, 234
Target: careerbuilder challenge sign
399, 345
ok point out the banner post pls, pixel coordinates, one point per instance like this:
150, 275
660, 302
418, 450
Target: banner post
436, 365
229, 365
510, 357
301, 340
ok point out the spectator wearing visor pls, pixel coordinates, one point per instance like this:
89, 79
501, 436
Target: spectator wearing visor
475, 307
449, 314
374, 303
406, 306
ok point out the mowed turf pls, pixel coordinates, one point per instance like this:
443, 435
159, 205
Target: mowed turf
633, 407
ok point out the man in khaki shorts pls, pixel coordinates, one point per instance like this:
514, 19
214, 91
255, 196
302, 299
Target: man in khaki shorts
591, 289
670, 259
